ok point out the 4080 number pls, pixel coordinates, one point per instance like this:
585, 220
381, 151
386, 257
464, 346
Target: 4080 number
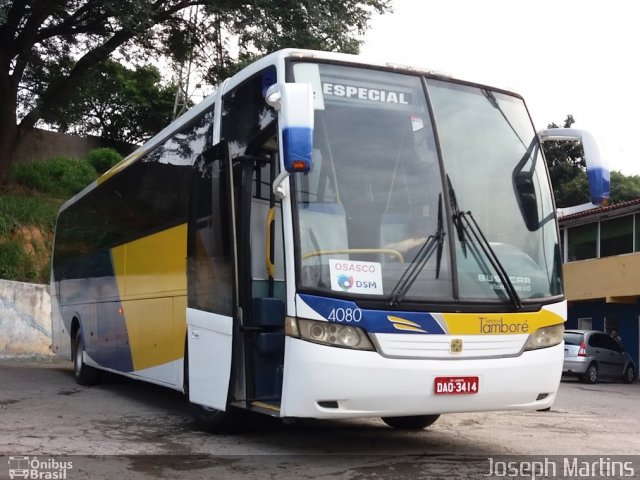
345, 315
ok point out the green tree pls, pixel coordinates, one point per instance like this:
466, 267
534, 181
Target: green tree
624, 188
117, 103
48, 47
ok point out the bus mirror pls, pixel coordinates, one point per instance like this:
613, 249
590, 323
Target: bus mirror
597, 165
294, 102
526, 195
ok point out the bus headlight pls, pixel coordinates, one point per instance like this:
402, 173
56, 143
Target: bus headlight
326, 333
545, 337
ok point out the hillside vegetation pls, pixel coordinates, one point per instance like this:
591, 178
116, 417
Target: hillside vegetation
29, 204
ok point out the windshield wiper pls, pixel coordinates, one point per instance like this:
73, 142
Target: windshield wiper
468, 230
432, 244
456, 217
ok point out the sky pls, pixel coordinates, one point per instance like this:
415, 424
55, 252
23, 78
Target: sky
563, 56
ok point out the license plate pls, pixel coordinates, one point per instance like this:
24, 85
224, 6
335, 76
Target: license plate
456, 385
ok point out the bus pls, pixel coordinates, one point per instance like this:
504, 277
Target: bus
323, 237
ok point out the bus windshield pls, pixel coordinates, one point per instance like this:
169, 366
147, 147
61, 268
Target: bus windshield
381, 209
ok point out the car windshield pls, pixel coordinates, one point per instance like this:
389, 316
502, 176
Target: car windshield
377, 190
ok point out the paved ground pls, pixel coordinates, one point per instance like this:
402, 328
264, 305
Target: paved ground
137, 430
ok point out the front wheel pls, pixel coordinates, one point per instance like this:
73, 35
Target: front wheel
216, 421
629, 374
416, 422
83, 373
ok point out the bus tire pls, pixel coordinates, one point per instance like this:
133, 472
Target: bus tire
416, 422
215, 421
83, 373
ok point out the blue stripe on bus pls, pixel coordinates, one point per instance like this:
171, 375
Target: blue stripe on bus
374, 321
83, 286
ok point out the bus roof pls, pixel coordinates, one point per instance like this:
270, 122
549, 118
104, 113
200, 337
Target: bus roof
275, 58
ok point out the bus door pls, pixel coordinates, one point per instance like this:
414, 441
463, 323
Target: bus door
249, 131
211, 259
261, 284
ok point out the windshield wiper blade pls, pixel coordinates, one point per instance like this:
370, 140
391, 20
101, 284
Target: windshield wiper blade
456, 215
471, 226
468, 230
440, 232
432, 244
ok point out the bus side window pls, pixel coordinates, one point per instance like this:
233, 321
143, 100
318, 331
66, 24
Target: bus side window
209, 252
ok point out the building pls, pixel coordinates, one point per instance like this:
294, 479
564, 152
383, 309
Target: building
601, 254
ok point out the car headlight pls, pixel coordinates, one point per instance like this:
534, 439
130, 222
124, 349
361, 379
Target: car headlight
545, 337
327, 333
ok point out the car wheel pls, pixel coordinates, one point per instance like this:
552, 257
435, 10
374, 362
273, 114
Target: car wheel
629, 375
417, 422
83, 373
591, 375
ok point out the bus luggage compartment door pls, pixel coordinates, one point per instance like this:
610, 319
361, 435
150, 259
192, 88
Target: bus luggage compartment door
209, 338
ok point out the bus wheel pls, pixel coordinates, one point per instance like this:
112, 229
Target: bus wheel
83, 373
216, 421
417, 422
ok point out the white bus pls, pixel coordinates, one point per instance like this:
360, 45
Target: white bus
323, 237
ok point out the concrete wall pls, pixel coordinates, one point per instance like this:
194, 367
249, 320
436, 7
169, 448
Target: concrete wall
43, 144
25, 319
612, 278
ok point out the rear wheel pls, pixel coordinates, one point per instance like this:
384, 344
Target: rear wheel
629, 374
416, 422
83, 373
591, 375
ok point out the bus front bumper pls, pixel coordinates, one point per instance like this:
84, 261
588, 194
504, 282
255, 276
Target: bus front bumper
329, 382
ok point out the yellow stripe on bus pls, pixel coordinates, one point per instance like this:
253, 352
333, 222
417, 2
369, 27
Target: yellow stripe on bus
151, 278
403, 321
499, 323
121, 165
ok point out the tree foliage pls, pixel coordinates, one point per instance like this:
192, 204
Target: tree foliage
117, 103
102, 159
49, 47
624, 188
